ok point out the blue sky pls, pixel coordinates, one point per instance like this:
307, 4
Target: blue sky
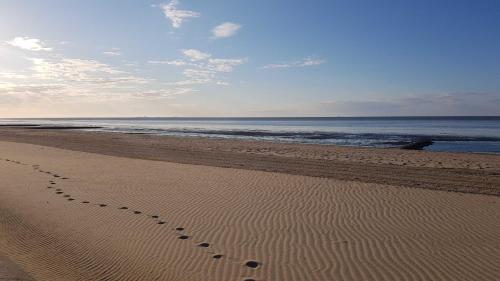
249, 58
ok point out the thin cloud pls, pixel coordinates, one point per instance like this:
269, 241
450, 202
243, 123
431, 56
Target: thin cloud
201, 68
195, 55
113, 52
26, 43
176, 16
226, 29
299, 63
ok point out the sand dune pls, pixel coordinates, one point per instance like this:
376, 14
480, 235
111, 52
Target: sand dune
128, 217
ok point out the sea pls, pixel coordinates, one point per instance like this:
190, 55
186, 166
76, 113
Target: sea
455, 134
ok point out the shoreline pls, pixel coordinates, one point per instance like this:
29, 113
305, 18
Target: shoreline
459, 172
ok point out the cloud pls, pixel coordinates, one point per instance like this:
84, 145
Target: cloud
26, 43
195, 55
201, 68
165, 93
169, 62
441, 104
299, 63
113, 52
175, 15
226, 29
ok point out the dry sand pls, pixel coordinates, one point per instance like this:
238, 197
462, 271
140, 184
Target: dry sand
295, 227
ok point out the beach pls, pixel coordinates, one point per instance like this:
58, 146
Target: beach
77, 205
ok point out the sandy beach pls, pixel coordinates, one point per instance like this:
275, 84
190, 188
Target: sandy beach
97, 206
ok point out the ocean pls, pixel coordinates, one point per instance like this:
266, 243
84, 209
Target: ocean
456, 134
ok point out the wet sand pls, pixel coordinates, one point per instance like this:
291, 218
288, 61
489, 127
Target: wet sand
73, 215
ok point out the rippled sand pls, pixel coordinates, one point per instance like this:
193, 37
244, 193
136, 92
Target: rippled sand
67, 215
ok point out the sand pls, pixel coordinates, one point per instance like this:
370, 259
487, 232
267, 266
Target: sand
128, 216
461, 172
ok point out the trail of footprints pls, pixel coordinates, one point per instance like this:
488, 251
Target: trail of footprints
179, 231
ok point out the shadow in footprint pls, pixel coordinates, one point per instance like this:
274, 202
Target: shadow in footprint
204, 245
137, 212
154, 216
252, 264
70, 199
217, 256
183, 237
179, 228
102, 205
161, 222
85, 202
59, 192
123, 208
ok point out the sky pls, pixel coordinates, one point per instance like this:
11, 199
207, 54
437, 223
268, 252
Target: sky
113, 58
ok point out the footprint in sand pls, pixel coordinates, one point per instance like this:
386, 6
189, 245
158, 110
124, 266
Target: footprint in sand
123, 208
217, 256
85, 202
137, 212
161, 222
154, 216
70, 199
102, 205
179, 228
252, 264
204, 245
67, 195
59, 192
183, 237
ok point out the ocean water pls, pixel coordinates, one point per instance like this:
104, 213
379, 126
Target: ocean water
458, 134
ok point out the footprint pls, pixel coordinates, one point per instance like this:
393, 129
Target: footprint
58, 189
204, 245
217, 256
102, 205
49, 186
154, 216
64, 178
161, 222
137, 212
59, 192
85, 202
249, 279
183, 237
123, 208
179, 228
70, 199
67, 195
252, 264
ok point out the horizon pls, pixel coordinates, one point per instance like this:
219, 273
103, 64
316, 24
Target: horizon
273, 59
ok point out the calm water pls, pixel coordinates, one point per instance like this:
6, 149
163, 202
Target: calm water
461, 134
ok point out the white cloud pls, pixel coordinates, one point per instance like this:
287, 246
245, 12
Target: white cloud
113, 52
223, 65
201, 68
26, 43
175, 15
299, 63
169, 62
226, 29
195, 55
